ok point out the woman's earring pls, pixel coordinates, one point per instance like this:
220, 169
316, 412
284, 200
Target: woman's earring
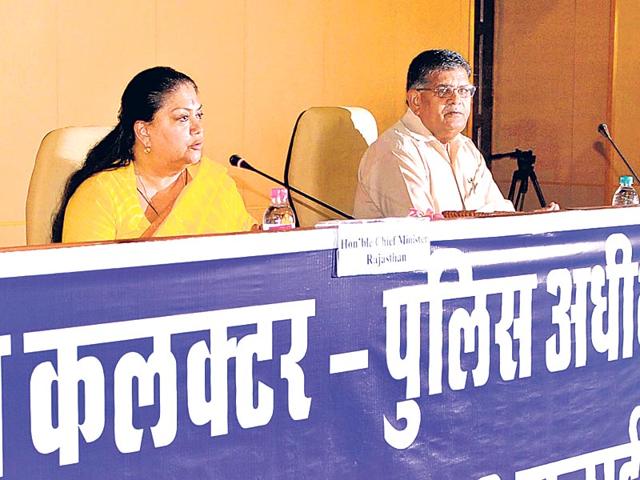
147, 149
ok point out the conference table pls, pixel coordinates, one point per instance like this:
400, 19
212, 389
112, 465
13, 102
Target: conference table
492, 348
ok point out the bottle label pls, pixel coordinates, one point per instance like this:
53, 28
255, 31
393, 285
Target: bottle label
277, 228
279, 196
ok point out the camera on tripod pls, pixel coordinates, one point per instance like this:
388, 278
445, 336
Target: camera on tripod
521, 176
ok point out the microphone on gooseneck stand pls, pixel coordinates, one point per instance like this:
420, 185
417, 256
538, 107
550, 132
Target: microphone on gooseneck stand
238, 161
604, 131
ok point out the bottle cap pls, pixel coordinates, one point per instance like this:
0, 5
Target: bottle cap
626, 180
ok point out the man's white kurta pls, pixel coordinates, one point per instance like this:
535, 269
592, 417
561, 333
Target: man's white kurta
407, 167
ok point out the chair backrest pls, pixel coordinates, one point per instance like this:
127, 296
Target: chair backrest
61, 153
325, 150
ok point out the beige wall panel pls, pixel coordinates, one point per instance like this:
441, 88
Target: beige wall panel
626, 95
589, 165
378, 51
551, 79
284, 75
101, 46
436, 25
580, 195
533, 53
354, 72
206, 41
28, 98
596, 195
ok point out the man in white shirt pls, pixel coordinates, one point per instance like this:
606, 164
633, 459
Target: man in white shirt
423, 161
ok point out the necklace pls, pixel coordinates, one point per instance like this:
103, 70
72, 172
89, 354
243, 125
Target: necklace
147, 198
144, 194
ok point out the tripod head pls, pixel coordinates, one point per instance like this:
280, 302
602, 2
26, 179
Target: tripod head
521, 176
525, 158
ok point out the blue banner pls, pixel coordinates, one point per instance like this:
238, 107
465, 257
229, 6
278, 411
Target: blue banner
514, 356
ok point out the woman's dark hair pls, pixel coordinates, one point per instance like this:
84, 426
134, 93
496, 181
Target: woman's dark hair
142, 98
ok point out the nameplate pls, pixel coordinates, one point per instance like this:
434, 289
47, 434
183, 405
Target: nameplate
383, 246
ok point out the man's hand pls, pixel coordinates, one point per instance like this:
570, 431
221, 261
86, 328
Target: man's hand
552, 207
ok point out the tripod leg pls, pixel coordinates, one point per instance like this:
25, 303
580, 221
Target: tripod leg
524, 187
537, 188
512, 188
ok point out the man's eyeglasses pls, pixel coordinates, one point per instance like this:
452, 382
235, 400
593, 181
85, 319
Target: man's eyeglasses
446, 91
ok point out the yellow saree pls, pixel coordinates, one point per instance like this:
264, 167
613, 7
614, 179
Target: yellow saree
106, 207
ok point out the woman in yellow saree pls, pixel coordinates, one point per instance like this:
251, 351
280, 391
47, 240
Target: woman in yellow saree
147, 178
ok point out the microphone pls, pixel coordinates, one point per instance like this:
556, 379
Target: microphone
604, 131
237, 161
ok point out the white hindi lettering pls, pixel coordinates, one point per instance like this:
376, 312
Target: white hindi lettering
624, 272
132, 365
462, 329
559, 358
612, 313
215, 410
626, 455
5, 350
70, 371
407, 367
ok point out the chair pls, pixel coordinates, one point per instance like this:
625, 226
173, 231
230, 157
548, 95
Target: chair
324, 154
60, 154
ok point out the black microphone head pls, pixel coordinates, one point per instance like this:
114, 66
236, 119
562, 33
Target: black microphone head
604, 130
234, 160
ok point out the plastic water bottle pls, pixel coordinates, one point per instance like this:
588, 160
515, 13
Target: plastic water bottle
625, 194
279, 215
